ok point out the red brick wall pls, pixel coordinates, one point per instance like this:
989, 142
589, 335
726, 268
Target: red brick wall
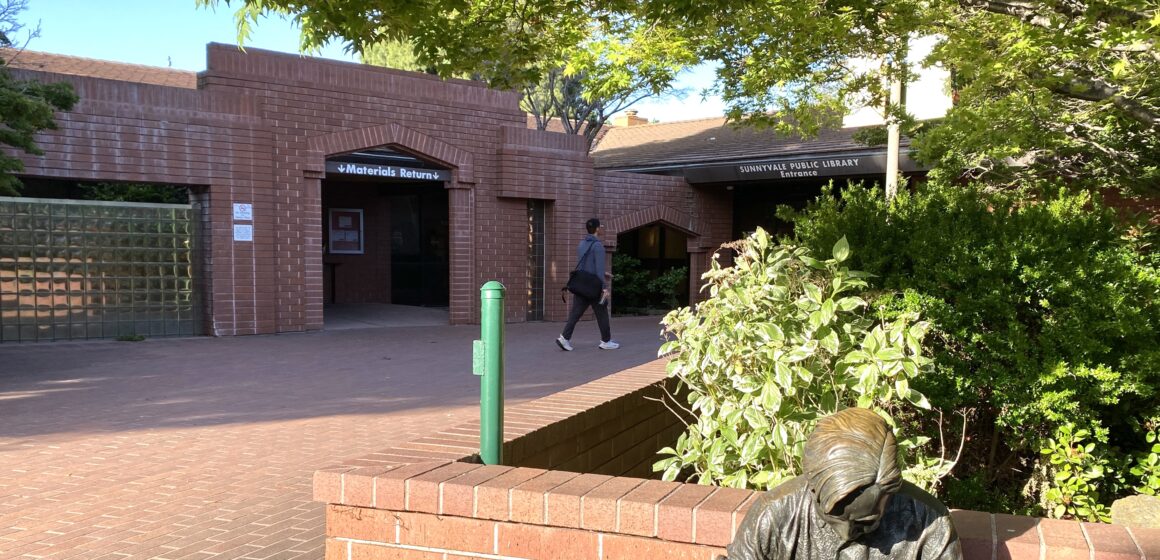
554, 167
306, 99
705, 215
479, 511
417, 501
618, 437
364, 278
257, 130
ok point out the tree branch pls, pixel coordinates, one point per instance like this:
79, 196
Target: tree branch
1104, 11
1099, 12
1021, 10
1027, 13
1095, 90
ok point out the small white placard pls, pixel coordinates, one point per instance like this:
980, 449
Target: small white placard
243, 232
243, 212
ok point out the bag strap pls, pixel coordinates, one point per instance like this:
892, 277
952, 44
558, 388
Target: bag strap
580, 261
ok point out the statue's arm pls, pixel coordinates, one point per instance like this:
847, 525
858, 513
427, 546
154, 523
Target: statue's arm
939, 540
753, 539
942, 543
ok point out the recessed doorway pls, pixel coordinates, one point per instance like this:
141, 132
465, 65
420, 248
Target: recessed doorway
385, 223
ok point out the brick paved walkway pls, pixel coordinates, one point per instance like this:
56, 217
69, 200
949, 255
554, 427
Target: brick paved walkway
204, 448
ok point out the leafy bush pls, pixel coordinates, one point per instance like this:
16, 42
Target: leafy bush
665, 287
630, 281
136, 192
636, 289
782, 340
1147, 468
1076, 472
1046, 311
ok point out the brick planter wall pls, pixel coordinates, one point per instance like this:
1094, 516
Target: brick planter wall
420, 501
618, 437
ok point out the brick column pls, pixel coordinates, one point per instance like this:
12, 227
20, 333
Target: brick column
698, 265
202, 259
461, 251
312, 251
233, 267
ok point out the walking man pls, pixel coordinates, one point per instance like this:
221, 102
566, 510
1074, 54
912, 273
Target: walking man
591, 259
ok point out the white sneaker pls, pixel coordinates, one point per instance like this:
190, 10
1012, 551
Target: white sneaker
610, 345
564, 343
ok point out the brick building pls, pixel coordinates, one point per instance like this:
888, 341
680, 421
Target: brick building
755, 169
315, 182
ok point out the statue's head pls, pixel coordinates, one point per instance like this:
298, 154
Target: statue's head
851, 468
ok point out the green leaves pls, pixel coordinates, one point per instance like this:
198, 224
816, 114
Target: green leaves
1040, 311
1147, 466
841, 249
1043, 90
851, 303
1068, 92
28, 107
778, 346
1077, 474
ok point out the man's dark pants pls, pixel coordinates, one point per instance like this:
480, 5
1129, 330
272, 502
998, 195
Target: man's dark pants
579, 305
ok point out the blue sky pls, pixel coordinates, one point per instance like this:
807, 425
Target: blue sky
151, 32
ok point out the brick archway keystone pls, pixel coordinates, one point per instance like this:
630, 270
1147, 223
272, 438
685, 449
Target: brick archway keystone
392, 134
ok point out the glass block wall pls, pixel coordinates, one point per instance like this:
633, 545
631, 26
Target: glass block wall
85, 269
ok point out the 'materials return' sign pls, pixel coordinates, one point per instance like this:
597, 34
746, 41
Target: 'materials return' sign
387, 171
836, 166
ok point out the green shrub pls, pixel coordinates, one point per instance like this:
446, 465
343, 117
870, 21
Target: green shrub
782, 340
1147, 468
1045, 311
136, 192
665, 287
636, 290
1075, 473
630, 282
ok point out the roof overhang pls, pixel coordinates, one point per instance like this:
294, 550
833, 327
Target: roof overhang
789, 167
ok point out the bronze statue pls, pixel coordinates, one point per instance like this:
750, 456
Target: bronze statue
849, 504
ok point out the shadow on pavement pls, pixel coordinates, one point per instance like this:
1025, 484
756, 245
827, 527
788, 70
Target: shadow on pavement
106, 386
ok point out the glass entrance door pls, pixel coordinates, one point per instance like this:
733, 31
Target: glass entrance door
419, 256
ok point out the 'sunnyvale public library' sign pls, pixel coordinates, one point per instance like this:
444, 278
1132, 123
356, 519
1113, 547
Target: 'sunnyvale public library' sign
835, 166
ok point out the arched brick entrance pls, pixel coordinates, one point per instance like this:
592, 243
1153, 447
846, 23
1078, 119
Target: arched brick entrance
460, 199
670, 217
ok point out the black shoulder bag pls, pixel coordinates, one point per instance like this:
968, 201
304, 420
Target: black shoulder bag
584, 283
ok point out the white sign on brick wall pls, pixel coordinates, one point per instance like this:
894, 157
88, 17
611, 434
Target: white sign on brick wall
243, 232
243, 211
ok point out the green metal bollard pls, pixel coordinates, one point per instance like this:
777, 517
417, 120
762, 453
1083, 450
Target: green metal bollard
487, 361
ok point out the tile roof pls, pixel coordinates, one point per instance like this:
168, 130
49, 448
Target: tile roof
78, 66
710, 140
554, 125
